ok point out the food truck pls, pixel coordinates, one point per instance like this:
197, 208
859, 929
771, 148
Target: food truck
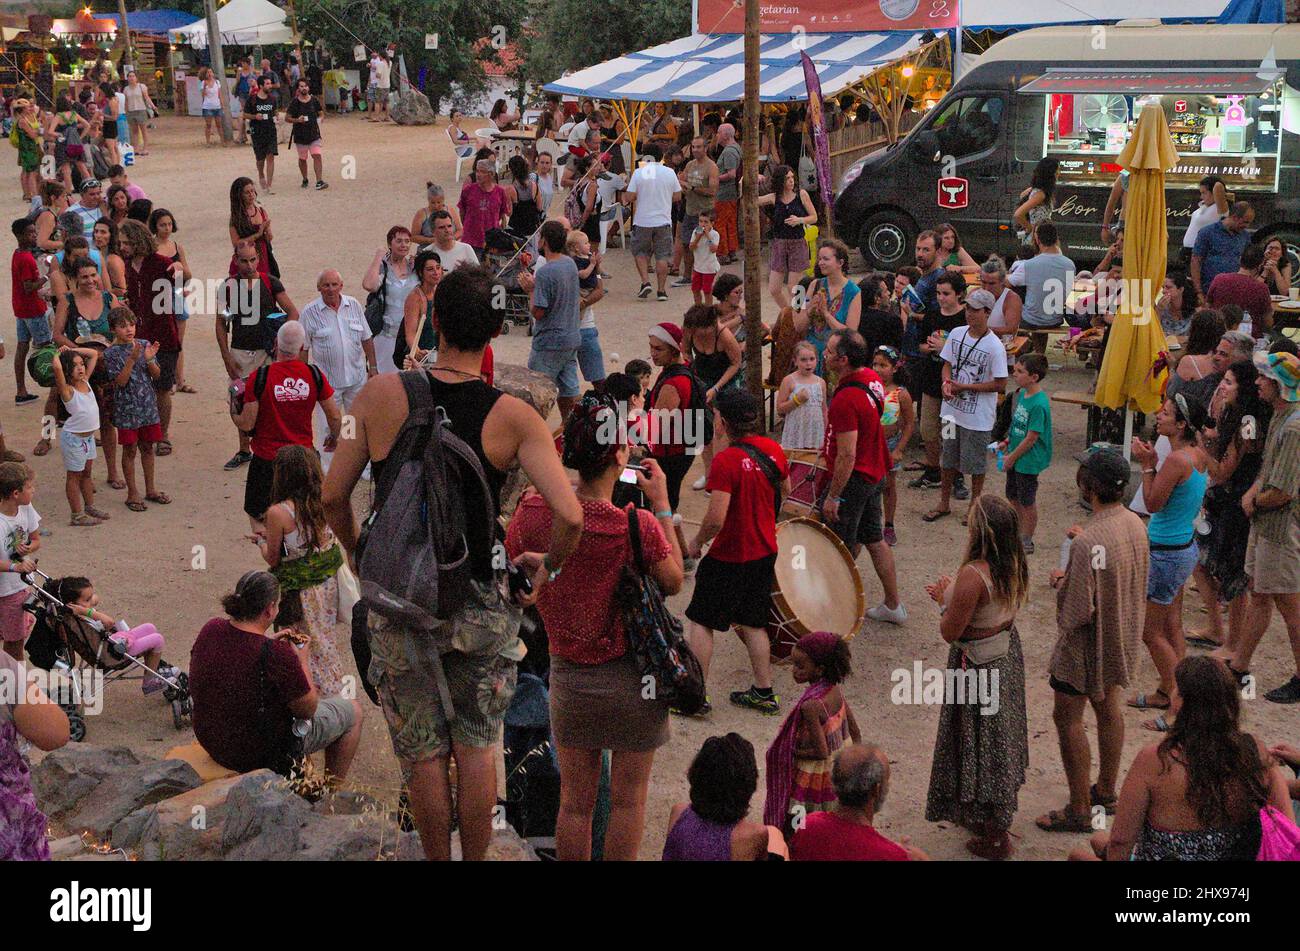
1231, 95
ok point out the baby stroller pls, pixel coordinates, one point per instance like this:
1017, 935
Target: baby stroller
505, 252
70, 645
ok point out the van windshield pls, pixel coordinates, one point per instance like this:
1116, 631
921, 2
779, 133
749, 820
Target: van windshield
969, 124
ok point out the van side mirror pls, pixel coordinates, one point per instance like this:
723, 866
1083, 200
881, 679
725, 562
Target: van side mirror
926, 145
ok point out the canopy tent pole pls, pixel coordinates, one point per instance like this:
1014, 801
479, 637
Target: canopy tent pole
751, 114
128, 57
956, 56
218, 69
1128, 433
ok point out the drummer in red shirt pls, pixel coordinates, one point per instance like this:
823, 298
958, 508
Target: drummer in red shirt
733, 583
857, 459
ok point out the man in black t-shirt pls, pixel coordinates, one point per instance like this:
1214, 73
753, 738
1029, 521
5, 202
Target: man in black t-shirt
304, 114
935, 327
877, 325
260, 111
244, 300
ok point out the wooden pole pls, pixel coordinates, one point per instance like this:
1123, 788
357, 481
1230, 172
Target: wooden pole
297, 40
753, 256
127, 57
218, 61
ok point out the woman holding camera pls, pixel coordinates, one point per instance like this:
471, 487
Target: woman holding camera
599, 700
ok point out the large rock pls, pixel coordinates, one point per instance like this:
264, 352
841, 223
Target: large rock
411, 108
264, 818
539, 392
141, 785
187, 826
67, 776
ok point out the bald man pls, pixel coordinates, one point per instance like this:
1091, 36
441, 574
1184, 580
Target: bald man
339, 343
728, 193
846, 833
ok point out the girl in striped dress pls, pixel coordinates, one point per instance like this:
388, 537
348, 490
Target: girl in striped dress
799, 759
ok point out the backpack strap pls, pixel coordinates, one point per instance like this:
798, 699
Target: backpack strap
859, 385
259, 381
634, 535
765, 465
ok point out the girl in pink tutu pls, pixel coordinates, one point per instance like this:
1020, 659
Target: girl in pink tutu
143, 642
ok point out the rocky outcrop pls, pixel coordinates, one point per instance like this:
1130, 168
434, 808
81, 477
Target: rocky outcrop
411, 108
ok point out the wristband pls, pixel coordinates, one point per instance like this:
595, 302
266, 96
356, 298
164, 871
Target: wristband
552, 573
666, 513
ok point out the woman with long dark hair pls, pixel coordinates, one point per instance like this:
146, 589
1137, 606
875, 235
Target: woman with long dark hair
1036, 200
981, 751
715, 357
249, 222
1204, 332
1197, 794
792, 211
1177, 304
597, 701
1233, 439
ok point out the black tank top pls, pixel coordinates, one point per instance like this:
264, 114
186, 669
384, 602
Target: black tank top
467, 405
782, 210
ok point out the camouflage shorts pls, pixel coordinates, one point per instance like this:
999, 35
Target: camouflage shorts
480, 671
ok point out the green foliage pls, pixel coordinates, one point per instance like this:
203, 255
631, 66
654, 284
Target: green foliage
465, 28
567, 37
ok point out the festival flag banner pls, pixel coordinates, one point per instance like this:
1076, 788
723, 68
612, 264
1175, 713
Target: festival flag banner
829, 16
817, 127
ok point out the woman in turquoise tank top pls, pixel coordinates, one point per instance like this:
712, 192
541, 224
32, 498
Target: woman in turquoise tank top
1173, 494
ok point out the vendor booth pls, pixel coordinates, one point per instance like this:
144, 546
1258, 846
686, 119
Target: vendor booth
240, 23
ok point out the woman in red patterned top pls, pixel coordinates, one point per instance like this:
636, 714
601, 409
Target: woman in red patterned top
598, 700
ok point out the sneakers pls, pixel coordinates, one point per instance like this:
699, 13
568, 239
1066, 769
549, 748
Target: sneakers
700, 483
926, 480
891, 538
237, 460
882, 612
1289, 692
662, 297
305, 183
321, 186
767, 703
1028, 544
645, 291
959, 490
680, 282
29, 397
152, 684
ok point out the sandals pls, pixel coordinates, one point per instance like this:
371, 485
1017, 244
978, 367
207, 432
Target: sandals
1140, 702
162, 448
1239, 675
159, 498
96, 513
185, 388
1063, 820
135, 505
1195, 640
116, 484
1108, 803
42, 448
1158, 725
82, 520
935, 515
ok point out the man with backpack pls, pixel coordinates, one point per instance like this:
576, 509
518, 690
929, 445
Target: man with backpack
242, 338
733, 582
857, 458
278, 403
441, 637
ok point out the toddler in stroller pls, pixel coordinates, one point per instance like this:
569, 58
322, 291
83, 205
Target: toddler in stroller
143, 642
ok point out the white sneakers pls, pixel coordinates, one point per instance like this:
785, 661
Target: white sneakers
700, 483
882, 612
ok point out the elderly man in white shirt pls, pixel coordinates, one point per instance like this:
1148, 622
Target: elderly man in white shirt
339, 342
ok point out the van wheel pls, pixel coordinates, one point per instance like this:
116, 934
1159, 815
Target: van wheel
887, 240
1291, 241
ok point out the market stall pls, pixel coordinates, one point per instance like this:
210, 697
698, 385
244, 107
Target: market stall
240, 23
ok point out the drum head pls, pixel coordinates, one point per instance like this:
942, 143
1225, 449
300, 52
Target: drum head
817, 586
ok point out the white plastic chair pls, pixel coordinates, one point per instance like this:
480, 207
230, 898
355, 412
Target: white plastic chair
463, 152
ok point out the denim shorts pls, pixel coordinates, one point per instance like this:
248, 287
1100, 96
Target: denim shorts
1168, 572
78, 451
35, 329
560, 365
591, 360
211, 113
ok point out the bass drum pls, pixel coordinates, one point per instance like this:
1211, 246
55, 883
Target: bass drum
816, 586
806, 471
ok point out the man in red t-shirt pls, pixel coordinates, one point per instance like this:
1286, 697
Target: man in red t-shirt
845, 833
281, 414
733, 583
1247, 290
857, 459
29, 306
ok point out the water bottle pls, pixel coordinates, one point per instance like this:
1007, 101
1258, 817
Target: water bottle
128, 154
1065, 553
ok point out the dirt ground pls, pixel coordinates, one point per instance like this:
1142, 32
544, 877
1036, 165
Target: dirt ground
171, 565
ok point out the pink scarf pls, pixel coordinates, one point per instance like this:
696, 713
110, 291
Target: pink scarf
780, 755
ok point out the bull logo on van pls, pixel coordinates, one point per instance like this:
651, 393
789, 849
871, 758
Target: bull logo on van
954, 192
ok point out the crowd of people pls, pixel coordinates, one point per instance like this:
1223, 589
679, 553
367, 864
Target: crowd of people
874, 376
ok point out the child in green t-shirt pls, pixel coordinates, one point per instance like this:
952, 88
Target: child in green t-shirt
1028, 446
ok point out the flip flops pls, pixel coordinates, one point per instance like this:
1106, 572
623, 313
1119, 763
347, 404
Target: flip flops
1140, 702
1158, 725
936, 515
159, 498
1063, 820
135, 505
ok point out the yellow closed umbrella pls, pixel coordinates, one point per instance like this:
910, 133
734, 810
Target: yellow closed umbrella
1129, 378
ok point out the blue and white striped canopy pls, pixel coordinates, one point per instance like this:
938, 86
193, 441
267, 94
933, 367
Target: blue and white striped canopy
711, 68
